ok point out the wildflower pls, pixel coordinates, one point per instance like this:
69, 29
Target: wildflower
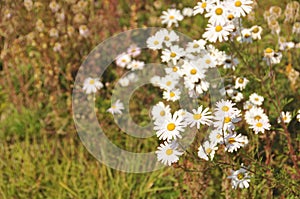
233, 142
170, 127
188, 12
116, 108
83, 30
79, 18
171, 16
230, 62
260, 125
296, 28
91, 85
286, 117
225, 108
246, 36
207, 150
136, 65
172, 95
134, 51
218, 32
155, 42
168, 153
254, 114
123, 60
256, 99
202, 6
160, 111
298, 115
237, 96
54, 6
275, 11
53, 32
196, 46
174, 54
240, 83
168, 36
217, 136
239, 178
57, 47
256, 32
40, 26
241, 7
199, 116
124, 81
168, 82
217, 15
193, 72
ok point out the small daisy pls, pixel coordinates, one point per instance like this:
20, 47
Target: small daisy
260, 125
225, 108
202, 6
136, 65
116, 108
171, 16
296, 28
83, 30
168, 153
168, 82
207, 150
124, 81
217, 15
233, 142
285, 116
241, 7
192, 72
53, 32
246, 36
256, 32
256, 99
172, 95
54, 6
254, 114
196, 46
237, 96
160, 111
188, 12
298, 115
123, 60
199, 116
134, 51
174, 54
170, 128
217, 136
240, 83
239, 178
168, 36
218, 32
155, 42
91, 85
230, 62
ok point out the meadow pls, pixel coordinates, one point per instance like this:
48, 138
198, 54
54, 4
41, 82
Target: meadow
44, 43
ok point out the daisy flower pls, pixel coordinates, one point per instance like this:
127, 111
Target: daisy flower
260, 125
196, 46
199, 116
233, 142
255, 113
230, 62
298, 115
170, 128
237, 96
217, 136
116, 108
256, 99
256, 32
168, 82
174, 54
217, 14
123, 60
155, 42
168, 36
160, 111
136, 65
188, 12
239, 178
84, 31
285, 116
207, 150
246, 36
171, 16
172, 95
167, 153
91, 85
192, 71
124, 81
241, 7
224, 108
240, 83
202, 6
54, 6
218, 32
207, 61
134, 51
227, 122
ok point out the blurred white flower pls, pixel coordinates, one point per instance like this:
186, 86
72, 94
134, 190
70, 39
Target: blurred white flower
116, 108
171, 16
91, 85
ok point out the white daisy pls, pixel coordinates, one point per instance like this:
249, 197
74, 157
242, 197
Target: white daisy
91, 85
225, 108
207, 150
256, 99
256, 32
218, 14
174, 54
116, 108
123, 60
260, 125
285, 116
207, 61
124, 81
160, 111
196, 46
202, 6
241, 7
192, 71
240, 83
199, 116
171, 16
237, 96
168, 82
217, 136
136, 65
254, 114
246, 36
134, 51
170, 128
230, 62
84, 31
239, 178
233, 142
171, 95
168, 36
218, 32
168, 153
155, 42
298, 115
188, 12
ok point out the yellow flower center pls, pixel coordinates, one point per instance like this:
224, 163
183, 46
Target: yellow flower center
227, 120
284, 118
269, 50
230, 17
171, 17
204, 4
257, 117
247, 35
225, 108
167, 38
219, 136
172, 94
193, 71
155, 42
168, 83
173, 54
218, 28
207, 61
92, 82
123, 60
219, 11
196, 46
238, 3
162, 113
169, 151
113, 106
255, 30
231, 140
171, 126
241, 80
259, 124
240, 176
197, 116
175, 69
208, 151
256, 99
